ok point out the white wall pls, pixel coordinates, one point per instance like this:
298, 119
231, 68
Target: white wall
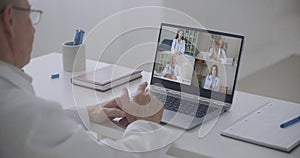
271, 27
134, 31
62, 17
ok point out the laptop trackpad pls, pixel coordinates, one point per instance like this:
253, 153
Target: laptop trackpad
177, 119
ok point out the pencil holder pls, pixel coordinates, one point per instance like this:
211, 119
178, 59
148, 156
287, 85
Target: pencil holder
74, 57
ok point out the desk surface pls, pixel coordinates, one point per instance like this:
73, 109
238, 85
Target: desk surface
209, 144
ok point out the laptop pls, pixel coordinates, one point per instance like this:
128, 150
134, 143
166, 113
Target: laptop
195, 76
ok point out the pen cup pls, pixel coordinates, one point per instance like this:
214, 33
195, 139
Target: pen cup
73, 57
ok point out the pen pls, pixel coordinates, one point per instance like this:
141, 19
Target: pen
290, 122
76, 38
81, 36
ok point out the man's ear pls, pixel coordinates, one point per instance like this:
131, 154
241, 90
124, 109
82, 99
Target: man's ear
7, 21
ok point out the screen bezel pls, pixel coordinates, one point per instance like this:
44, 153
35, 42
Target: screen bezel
228, 98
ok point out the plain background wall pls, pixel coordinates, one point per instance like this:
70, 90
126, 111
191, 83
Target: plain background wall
271, 27
62, 17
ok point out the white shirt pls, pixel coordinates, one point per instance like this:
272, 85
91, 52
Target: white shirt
32, 127
178, 46
212, 82
176, 71
219, 53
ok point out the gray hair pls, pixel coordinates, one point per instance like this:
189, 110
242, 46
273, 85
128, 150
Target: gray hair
3, 3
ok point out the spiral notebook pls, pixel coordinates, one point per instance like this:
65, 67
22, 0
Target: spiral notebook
262, 127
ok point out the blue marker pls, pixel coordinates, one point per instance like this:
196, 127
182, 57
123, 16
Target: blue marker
54, 76
81, 36
76, 38
290, 122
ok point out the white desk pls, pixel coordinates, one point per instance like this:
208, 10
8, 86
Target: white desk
189, 145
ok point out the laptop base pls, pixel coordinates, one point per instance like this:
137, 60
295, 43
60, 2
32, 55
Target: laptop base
188, 122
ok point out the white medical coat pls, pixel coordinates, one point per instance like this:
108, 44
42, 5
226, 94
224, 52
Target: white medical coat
178, 46
212, 83
220, 53
176, 71
32, 127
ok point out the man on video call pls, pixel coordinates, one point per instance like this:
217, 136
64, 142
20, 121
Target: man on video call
217, 53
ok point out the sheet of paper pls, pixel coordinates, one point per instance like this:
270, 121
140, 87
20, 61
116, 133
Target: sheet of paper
262, 127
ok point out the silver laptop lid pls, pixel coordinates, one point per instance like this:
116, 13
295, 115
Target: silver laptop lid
196, 61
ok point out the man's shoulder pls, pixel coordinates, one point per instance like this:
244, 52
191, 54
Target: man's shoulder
16, 98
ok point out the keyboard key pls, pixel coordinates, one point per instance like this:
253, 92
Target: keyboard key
193, 108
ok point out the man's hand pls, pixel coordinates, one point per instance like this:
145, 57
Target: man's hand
105, 112
178, 53
170, 76
143, 107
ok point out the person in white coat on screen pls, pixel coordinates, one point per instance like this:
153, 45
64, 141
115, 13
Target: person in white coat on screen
217, 53
172, 70
32, 127
212, 81
178, 44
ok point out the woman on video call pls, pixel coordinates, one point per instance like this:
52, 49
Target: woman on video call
212, 81
178, 44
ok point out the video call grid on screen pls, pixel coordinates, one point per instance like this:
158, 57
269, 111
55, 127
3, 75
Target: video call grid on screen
204, 52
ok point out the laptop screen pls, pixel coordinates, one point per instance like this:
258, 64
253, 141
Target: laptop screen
197, 61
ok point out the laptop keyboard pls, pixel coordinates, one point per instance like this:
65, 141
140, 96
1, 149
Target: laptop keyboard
175, 103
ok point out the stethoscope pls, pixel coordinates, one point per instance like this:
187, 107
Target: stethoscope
211, 80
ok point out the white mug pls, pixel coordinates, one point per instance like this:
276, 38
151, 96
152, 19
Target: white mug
73, 57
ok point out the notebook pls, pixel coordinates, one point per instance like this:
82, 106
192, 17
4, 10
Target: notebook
194, 83
107, 77
262, 127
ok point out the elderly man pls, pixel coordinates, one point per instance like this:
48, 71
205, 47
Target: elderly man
217, 53
34, 127
172, 70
